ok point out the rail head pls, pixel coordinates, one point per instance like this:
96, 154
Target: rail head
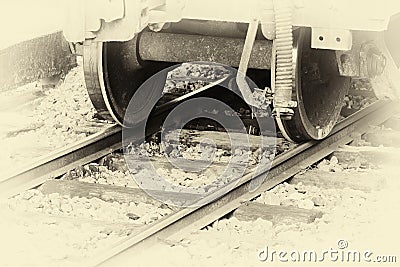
61, 161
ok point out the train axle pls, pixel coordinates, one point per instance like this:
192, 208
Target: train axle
310, 56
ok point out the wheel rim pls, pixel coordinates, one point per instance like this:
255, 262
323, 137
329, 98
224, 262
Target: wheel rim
113, 74
319, 90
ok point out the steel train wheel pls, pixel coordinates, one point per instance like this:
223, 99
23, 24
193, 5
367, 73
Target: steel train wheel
113, 73
319, 91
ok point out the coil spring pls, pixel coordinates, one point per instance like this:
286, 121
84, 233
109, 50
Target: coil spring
284, 55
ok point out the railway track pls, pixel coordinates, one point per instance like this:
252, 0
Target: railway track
61, 161
286, 165
110, 182
83, 152
215, 205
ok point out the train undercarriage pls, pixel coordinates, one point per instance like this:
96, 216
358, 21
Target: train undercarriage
309, 50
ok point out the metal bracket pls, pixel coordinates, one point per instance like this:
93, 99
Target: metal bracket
244, 62
334, 39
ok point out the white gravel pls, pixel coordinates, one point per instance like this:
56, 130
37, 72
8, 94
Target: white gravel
89, 208
101, 174
367, 221
189, 77
29, 241
67, 230
37, 121
200, 180
63, 115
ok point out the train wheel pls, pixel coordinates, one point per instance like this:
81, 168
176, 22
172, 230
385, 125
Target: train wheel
319, 91
113, 73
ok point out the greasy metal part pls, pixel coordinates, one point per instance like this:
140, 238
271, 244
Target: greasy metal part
171, 47
283, 102
371, 58
353, 63
61, 161
184, 221
319, 91
35, 59
349, 62
113, 73
373, 62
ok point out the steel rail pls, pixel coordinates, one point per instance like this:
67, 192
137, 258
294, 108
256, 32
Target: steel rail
85, 151
184, 221
62, 160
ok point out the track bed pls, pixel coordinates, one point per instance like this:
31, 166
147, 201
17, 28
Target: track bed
96, 194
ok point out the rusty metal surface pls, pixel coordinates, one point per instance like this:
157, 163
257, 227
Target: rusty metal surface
34, 59
170, 47
370, 49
